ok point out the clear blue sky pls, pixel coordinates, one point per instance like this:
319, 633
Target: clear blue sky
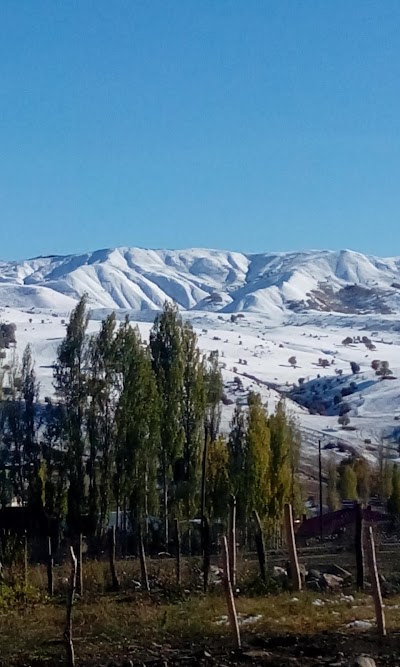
253, 125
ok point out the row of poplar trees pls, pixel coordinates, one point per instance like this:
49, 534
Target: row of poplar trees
129, 426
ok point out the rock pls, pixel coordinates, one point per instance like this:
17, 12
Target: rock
279, 572
364, 661
302, 569
339, 572
331, 581
313, 574
313, 585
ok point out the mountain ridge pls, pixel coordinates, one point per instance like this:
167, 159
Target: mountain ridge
278, 283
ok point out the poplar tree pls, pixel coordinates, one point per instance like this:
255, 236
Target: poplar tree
70, 383
280, 463
137, 423
258, 457
237, 453
332, 498
213, 394
167, 362
192, 414
103, 397
393, 504
218, 483
347, 482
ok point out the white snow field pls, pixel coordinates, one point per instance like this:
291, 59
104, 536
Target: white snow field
282, 305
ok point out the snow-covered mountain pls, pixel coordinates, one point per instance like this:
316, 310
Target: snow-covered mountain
274, 284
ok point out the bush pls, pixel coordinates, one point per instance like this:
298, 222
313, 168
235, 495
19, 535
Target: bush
355, 368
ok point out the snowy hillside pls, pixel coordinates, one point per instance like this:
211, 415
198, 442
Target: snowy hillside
259, 311
276, 284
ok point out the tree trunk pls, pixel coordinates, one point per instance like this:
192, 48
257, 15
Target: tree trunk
143, 566
177, 552
50, 564
375, 584
260, 546
359, 550
114, 577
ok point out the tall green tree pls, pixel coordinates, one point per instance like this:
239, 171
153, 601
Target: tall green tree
394, 499
101, 427
192, 414
280, 463
347, 482
332, 498
218, 484
137, 424
167, 362
213, 395
71, 386
237, 455
258, 458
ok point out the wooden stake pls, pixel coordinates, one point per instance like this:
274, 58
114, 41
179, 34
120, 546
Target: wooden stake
69, 646
80, 567
260, 546
143, 566
291, 544
233, 620
375, 583
111, 547
232, 540
50, 564
25, 542
177, 539
359, 548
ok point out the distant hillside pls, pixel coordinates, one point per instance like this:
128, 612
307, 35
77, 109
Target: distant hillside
198, 279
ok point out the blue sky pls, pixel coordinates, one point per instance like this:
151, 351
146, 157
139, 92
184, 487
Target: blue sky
253, 125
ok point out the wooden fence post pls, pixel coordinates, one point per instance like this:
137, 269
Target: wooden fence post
206, 552
50, 563
260, 545
177, 539
80, 567
143, 566
232, 540
291, 543
69, 646
375, 583
111, 548
233, 620
359, 548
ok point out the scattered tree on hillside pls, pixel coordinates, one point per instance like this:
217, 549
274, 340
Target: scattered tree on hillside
293, 361
355, 368
344, 420
347, 341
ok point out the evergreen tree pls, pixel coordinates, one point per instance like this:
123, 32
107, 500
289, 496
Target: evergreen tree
71, 387
167, 361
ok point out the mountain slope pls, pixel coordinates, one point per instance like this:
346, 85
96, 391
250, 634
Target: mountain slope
199, 279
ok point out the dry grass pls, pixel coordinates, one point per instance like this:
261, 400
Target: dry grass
122, 625
131, 624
